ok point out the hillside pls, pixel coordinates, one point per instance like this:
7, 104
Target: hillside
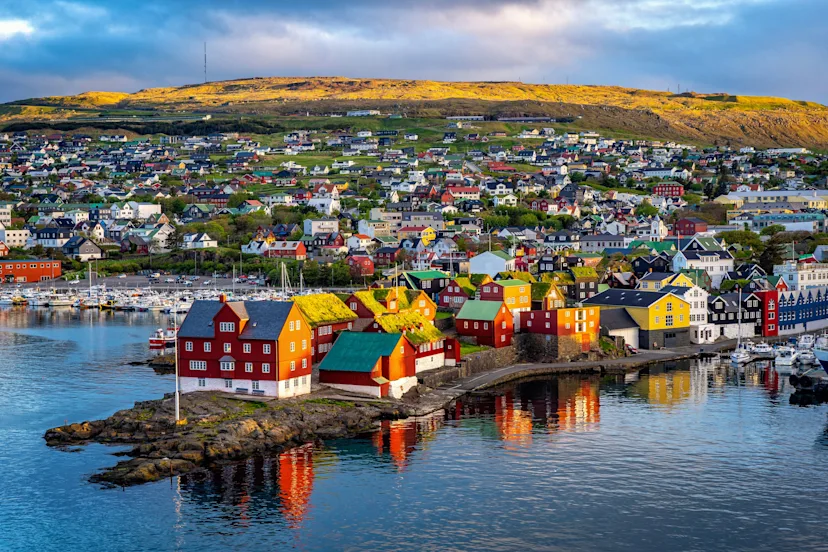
707, 118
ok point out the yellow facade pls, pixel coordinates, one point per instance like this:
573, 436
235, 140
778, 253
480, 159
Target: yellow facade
669, 312
678, 280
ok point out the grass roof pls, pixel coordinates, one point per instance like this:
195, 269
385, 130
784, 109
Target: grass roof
518, 275
466, 285
323, 308
583, 272
540, 290
417, 329
564, 278
479, 279
366, 297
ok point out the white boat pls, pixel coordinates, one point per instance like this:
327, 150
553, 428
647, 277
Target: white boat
821, 351
785, 356
749, 346
763, 349
807, 358
740, 356
805, 342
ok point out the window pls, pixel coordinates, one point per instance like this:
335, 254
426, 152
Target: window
503, 325
681, 318
227, 326
228, 384
227, 347
266, 348
771, 316
304, 363
304, 344
422, 302
198, 365
353, 306
475, 325
669, 320
287, 384
265, 368
669, 307
304, 380
255, 386
465, 325
292, 327
246, 347
298, 324
188, 346
402, 350
292, 365
502, 338
202, 382
657, 319
292, 346
207, 347
228, 366
248, 366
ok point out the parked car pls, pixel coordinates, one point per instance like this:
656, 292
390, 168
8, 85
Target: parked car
185, 283
206, 282
169, 281
632, 350
122, 275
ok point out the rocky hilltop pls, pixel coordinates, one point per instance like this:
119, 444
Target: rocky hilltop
704, 118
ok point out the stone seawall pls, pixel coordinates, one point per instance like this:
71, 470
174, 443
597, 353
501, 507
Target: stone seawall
477, 363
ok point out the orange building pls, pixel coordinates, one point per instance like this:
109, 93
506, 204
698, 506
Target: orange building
516, 294
573, 330
375, 364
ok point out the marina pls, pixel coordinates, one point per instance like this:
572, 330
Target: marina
713, 467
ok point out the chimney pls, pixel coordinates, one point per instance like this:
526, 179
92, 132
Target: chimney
223, 298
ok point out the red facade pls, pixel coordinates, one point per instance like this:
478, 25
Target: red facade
323, 337
668, 189
690, 227
453, 296
29, 270
494, 333
770, 312
361, 265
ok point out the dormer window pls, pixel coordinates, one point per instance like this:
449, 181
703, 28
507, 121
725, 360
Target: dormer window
227, 326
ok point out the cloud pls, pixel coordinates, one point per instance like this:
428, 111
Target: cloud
11, 28
707, 45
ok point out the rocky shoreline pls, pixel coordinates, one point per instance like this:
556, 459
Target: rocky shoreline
218, 429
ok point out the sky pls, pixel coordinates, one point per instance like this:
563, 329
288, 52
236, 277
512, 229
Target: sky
746, 47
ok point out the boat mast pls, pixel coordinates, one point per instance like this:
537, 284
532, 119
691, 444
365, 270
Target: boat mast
739, 320
175, 352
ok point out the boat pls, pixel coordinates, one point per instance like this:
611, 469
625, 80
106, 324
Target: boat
763, 349
162, 339
785, 356
805, 342
821, 351
740, 356
807, 358
749, 346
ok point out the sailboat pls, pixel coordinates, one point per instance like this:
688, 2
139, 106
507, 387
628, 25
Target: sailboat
740, 355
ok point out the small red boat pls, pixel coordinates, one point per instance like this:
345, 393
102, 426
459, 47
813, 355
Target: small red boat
162, 339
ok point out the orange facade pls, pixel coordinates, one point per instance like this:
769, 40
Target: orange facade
294, 346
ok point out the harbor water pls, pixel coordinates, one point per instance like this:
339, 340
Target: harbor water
683, 456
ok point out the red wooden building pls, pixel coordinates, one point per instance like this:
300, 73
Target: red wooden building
689, 226
29, 270
428, 342
489, 322
374, 364
668, 189
295, 250
574, 330
770, 311
361, 265
249, 347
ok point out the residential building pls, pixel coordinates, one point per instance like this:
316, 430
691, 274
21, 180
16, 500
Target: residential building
716, 263
572, 331
246, 347
82, 249
489, 322
29, 270
327, 316
491, 263
515, 294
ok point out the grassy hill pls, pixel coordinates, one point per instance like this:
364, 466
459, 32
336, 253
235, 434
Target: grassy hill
705, 118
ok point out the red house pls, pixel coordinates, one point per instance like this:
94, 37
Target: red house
489, 322
374, 364
326, 315
459, 290
539, 205
361, 265
668, 189
428, 342
4, 249
247, 347
689, 226
770, 312
287, 250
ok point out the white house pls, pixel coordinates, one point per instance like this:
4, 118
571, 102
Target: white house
508, 200
198, 240
326, 205
491, 262
716, 263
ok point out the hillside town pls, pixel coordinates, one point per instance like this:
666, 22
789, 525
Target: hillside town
441, 244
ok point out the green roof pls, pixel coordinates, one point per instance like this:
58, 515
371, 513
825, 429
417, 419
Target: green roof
323, 308
477, 279
583, 272
502, 255
418, 329
479, 310
466, 285
426, 274
562, 278
512, 283
518, 275
358, 351
540, 290
370, 302
659, 247
589, 255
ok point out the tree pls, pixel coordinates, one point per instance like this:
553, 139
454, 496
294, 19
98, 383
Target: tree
745, 238
772, 229
237, 199
646, 209
772, 255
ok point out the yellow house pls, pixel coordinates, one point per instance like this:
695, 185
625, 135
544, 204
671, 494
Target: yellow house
663, 319
656, 281
425, 233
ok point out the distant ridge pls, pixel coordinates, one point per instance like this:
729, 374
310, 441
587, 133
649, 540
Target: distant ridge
705, 118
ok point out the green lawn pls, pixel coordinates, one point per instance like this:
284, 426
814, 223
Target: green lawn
443, 315
466, 349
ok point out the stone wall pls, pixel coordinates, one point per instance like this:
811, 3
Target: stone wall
552, 348
484, 361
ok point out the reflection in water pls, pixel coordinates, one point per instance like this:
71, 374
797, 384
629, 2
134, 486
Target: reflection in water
295, 483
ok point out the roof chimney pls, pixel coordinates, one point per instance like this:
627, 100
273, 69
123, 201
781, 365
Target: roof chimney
223, 298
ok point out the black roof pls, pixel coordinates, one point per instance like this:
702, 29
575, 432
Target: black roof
617, 319
265, 318
626, 298
658, 276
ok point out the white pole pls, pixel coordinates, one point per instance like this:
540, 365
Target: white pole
177, 392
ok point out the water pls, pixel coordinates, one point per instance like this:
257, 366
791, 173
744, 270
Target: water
687, 457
